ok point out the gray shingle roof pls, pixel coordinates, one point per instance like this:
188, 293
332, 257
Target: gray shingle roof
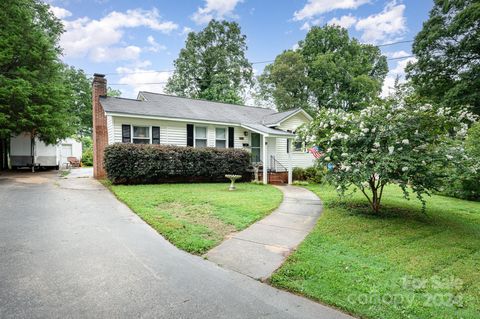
265, 129
278, 117
168, 106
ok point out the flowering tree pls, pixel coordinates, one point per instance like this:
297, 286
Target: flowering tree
397, 142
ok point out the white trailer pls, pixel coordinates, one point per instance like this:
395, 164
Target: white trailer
43, 155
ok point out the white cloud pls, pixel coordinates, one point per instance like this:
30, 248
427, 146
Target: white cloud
60, 12
397, 54
154, 46
95, 38
136, 77
102, 54
385, 25
215, 9
398, 71
186, 30
316, 7
344, 22
308, 24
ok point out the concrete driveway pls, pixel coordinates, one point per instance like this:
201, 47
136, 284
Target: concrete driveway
68, 248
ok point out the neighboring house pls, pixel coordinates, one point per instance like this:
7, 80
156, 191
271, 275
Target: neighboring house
24, 153
155, 118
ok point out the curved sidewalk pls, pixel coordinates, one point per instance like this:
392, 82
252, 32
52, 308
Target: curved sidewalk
261, 248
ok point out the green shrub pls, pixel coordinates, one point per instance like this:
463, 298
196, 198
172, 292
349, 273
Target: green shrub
140, 164
310, 174
298, 174
87, 157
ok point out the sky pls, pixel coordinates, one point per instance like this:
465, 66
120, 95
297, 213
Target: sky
135, 42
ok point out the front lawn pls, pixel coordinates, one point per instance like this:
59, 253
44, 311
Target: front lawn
197, 217
404, 264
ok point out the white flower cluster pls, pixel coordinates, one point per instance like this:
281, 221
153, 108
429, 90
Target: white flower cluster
339, 136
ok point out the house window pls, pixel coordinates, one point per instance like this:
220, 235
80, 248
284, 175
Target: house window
141, 135
298, 145
220, 137
255, 147
200, 136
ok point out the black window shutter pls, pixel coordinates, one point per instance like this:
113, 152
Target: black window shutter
189, 134
231, 137
155, 135
288, 145
126, 133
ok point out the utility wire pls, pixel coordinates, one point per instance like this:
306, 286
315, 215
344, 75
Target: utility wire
399, 58
256, 62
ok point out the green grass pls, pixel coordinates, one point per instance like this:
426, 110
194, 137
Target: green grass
197, 217
352, 257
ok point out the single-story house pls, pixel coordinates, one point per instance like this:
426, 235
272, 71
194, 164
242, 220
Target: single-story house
154, 118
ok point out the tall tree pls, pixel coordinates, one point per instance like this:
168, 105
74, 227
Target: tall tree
448, 51
81, 106
285, 82
34, 94
340, 72
213, 65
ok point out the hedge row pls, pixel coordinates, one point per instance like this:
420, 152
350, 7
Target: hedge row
140, 164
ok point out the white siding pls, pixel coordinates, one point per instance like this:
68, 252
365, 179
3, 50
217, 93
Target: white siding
110, 129
171, 132
240, 138
294, 122
299, 159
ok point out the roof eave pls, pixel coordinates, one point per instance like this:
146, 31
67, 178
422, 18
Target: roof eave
299, 110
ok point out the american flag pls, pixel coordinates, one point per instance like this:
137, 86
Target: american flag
315, 152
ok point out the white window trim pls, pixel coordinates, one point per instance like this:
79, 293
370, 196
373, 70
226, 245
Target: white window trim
226, 135
302, 150
149, 133
195, 135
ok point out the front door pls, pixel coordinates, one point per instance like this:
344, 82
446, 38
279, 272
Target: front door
255, 147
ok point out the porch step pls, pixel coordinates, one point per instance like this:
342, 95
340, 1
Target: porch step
276, 178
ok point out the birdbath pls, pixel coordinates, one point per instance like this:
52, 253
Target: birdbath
233, 178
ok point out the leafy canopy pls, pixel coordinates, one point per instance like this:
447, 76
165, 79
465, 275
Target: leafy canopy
400, 142
328, 70
212, 65
448, 53
34, 94
81, 106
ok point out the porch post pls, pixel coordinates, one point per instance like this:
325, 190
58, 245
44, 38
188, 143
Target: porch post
265, 160
290, 169
289, 162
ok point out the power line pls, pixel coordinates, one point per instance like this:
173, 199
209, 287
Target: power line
256, 62
259, 62
401, 57
165, 82
392, 43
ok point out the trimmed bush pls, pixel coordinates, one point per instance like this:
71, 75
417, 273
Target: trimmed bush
143, 164
309, 174
298, 174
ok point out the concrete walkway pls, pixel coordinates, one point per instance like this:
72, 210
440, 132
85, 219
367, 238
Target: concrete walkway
70, 249
261, 248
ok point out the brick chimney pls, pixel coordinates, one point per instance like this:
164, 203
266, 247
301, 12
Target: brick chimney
100, 133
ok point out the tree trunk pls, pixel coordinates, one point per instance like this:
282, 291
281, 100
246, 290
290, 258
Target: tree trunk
376, 187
